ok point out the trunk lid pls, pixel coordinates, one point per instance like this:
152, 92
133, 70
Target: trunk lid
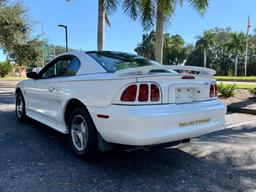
174, 88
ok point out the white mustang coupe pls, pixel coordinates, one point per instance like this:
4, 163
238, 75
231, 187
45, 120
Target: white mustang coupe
106, 98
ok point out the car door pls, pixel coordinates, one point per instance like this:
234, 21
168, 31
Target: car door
43, 96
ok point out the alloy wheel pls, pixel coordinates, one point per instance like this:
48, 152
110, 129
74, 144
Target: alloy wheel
19, 106
79, 132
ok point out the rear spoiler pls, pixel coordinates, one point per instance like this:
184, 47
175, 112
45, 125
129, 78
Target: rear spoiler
186, 69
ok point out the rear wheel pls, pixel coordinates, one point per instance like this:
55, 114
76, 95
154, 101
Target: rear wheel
83, 134
20, 107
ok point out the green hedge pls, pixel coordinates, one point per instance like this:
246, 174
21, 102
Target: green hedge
253, 91
5, 68
240, 85
227, 90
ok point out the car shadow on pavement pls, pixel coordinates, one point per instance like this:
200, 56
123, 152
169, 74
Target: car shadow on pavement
244, 103
234, 135
39, 158
177, 170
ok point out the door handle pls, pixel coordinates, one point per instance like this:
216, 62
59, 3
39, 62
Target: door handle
52, 89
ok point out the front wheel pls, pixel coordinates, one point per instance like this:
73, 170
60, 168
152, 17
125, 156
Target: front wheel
20, 107
83, 134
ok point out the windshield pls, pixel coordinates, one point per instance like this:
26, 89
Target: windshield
113, 61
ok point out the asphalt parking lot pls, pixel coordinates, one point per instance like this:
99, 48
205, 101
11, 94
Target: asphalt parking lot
34, 157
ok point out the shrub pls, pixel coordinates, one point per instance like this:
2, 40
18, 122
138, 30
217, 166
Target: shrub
227, 90
5, 68
253, 91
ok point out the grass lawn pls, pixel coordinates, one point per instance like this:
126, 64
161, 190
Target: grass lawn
245, 86
232, 78
10, 78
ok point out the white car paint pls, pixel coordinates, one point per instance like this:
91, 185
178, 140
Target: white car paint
137, 124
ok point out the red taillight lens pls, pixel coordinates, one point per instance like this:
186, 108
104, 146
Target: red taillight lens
212, 91
143, 93
129, 94
154, 93
216, 90
188, 77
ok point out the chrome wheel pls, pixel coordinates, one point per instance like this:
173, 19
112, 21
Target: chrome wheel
79, 132
19, 106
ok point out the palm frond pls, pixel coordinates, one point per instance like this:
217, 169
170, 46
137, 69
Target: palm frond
199, 5
147, 14
131, 7
110, 5
170, 7
107, 20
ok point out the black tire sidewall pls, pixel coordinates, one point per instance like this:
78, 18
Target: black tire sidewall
23, 117
91, 148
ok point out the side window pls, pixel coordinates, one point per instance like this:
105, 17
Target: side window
73, 67
63, 67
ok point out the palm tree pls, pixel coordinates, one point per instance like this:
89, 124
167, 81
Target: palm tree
146, 47
206, 42
174, 49
236, 46
148, 10
105, 7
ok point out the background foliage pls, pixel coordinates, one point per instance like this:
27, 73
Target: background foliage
16, 41
222, 47
5, 68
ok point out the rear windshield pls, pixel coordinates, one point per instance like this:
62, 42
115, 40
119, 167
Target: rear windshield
113, 61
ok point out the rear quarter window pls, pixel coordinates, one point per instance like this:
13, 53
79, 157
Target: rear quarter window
73, 67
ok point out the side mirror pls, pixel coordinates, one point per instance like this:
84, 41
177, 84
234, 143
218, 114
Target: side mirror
32, 75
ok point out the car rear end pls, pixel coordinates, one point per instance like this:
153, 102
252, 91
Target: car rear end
162, 108
158, 105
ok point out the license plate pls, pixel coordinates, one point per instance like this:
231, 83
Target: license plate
184, 95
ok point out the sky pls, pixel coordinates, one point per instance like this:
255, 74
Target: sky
124, 34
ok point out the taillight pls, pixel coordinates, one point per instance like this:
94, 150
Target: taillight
154, 93
213, 90
147, 92
216, 90
143, 93
187, 77
129, 94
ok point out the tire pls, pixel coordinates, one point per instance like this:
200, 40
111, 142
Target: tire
20, 107
82, 133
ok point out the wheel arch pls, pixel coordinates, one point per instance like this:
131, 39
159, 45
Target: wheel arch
18, 90
70, 106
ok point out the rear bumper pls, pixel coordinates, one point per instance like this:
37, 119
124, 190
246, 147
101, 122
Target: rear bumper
157, 124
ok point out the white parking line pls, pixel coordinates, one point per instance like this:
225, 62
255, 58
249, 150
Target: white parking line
239, 124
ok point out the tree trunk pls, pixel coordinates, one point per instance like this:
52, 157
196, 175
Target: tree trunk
236, 63
22, 71
159, 34
205, 58
101, 18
